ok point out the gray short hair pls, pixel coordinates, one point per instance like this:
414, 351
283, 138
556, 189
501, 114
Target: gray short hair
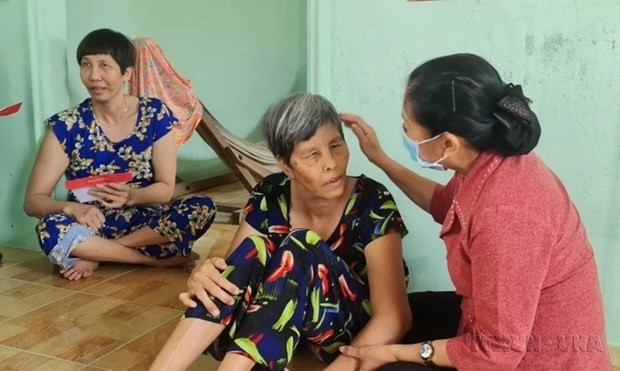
295, 119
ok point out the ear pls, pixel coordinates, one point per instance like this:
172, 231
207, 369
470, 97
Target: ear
128, 73
452, 144
284, 167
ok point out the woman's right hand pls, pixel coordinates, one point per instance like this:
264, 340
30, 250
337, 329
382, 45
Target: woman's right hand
366, 136
207, 280
87, 215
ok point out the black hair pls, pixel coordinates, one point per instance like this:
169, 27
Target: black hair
463, 94
112, 43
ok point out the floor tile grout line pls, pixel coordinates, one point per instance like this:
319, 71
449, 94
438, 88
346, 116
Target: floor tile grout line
19, 262
40, 284
103, 297
110, 278
82, 291
124, 301
76, 290
135, 338
43, 355
42, 305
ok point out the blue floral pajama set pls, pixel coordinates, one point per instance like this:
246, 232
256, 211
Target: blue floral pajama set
295, 286
90, 153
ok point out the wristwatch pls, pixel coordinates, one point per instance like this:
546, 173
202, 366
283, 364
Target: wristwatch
426, 353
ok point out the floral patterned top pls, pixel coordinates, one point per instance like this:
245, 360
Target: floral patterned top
91, 153
370, 213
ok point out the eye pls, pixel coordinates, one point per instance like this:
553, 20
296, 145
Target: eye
313, 154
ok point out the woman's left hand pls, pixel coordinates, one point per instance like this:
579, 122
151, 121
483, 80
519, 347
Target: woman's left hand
371, 357
113, 195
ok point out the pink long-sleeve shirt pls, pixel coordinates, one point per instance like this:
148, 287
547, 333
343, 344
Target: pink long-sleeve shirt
518, 253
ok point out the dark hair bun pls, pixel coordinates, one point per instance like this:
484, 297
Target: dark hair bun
517, 127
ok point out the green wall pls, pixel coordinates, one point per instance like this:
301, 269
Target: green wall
565, 53
240, 55
16, 134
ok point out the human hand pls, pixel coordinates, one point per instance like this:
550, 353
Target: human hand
207, 280
87, 215
112, 195
366, 136
370, 357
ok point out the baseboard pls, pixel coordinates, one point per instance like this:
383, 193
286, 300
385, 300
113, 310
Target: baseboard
614, 351
182, 188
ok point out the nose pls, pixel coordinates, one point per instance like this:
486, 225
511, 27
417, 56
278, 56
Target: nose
330, 162
93, 74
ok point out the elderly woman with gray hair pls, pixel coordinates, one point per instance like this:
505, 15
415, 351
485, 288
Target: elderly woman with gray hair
317, 258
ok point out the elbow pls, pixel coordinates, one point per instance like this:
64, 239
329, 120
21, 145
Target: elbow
168, 196
398, 324
28, 208
169, 193
406, 321
401, 327
404, 318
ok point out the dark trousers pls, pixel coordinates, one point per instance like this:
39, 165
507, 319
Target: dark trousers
436, 315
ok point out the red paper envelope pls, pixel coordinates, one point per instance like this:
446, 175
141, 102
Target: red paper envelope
82, 186
10, 109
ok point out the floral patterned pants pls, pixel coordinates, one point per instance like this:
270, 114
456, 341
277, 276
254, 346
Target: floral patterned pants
298, 290
181, 221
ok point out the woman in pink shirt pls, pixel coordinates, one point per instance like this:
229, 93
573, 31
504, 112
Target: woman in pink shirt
517, 250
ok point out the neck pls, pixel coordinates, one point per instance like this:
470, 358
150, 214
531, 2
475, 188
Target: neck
112, 112
312, 207
466, 161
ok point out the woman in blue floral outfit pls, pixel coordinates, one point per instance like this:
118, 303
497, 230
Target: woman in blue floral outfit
112, 133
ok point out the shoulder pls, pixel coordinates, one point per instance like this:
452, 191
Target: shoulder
525, 185
274, 183
519, 176
68, 117
151, 102
371, 187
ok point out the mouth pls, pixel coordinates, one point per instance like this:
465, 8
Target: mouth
333, 181
96, 89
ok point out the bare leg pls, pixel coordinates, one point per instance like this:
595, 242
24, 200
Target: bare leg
188, 340
234, 361
144, 236
99, 249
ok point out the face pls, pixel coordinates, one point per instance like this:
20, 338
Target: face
102, 76
429, 151
318, 166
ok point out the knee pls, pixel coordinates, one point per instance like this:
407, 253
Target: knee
200, 202
50, 222
202, 210
255, 246
52, 218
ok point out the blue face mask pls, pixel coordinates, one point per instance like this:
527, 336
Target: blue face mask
413, 147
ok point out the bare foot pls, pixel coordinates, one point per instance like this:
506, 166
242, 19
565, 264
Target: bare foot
81, 269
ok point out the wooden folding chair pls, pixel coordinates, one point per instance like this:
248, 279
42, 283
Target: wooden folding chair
251, 162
